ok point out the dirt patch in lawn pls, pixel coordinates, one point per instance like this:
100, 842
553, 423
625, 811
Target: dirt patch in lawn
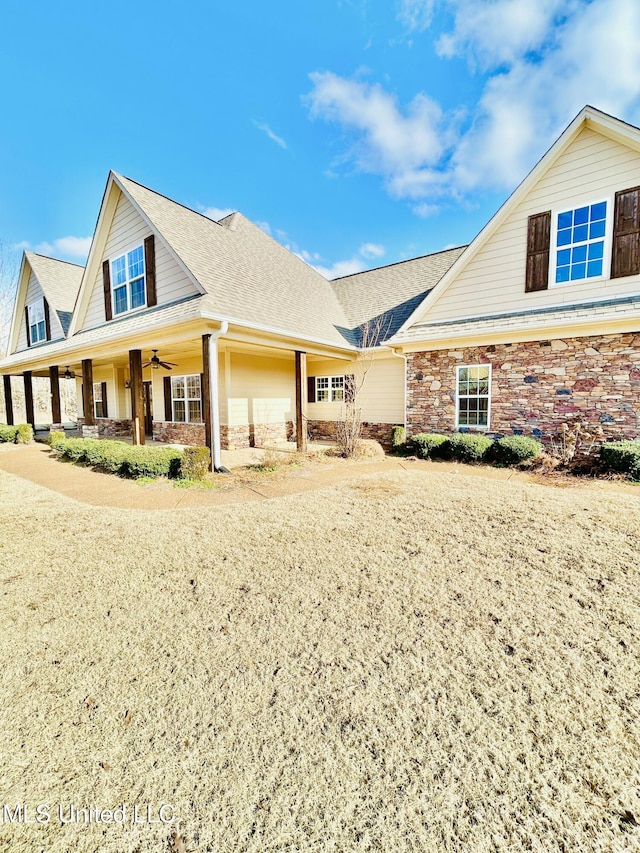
403, 661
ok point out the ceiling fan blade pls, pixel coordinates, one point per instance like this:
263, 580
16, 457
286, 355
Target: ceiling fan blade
166, 365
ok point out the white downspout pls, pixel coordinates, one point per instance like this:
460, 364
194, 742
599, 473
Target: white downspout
214, 393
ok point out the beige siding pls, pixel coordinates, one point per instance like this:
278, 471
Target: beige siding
262, 390
34, 291
592, 169
128, 230
382, 394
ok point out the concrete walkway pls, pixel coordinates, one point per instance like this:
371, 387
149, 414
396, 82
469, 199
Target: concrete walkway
35, 462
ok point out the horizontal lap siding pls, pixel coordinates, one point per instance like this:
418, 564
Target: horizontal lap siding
262, 390
594, 167
382, 395
128, 230
34, 291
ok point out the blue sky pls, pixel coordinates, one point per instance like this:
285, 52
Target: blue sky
357, 132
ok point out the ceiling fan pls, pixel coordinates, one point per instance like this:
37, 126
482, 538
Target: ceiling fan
68, 374
155, 362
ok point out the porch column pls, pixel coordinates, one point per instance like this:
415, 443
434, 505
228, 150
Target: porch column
137, 396
28, 398
87, 392
8, 399
211, 399
206, 396
301, 401
54, 380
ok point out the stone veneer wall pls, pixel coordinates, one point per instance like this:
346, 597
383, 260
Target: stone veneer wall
177, 433
110, 427
535, 386
326, 431
240, 436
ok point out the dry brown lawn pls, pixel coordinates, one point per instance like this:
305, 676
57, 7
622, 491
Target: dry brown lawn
422, 661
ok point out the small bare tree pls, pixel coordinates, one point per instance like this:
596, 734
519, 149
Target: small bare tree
349, 424
8, 283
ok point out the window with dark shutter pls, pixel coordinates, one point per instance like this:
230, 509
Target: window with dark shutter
311, 389
150, 270
26, 320
106, 284
105, 411
538, 241
625, 253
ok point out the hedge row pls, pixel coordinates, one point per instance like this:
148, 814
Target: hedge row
622, 456
20, 434
133, 461
471, 447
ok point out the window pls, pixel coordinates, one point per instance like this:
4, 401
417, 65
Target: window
127, 275
329, 389
186, 399
473, 393
98, 402
37, 323
580, 243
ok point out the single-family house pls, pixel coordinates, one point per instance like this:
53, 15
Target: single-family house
196, 331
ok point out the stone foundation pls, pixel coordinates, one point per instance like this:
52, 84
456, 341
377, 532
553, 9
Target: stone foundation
535, 386
241, 436
177, 433
326, 431
235, 437
107, 427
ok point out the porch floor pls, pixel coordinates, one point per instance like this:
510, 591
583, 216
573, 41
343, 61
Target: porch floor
229, 458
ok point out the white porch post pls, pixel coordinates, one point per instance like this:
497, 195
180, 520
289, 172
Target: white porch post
214, 397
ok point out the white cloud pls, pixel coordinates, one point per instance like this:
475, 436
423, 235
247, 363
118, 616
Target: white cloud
372, 250
340, 268
216, 213
75, 247
400, 144
416, 14
272, 136
542, 62
69, 247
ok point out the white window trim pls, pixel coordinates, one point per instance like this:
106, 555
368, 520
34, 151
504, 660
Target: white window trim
466, 426
98, 386
186, 399
115, 286
37, 303
331, 389
553, 243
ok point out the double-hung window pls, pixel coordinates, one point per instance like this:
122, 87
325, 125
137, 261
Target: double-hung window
37, 323
580, 237
473, 396
186, 399
127, 275
98, 402
329, 389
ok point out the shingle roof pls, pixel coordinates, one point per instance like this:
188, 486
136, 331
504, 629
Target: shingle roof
389, 295
60, 280
246, 274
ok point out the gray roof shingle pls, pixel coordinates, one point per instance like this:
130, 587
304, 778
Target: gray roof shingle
60, 283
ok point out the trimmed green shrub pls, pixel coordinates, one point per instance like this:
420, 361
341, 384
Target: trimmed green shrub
119, 458
634, 473
468, 447
621, 455
426, 445
513, 449
24, 434
8, 433
152, 462
55, 437
398, 437
195, 463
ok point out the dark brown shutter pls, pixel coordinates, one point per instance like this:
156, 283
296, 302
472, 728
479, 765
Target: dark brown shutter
106, 284
26, 319
166, 383
349, 388
538, 240
47, 319
150, 270
105, 411
311, 389
625, 254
